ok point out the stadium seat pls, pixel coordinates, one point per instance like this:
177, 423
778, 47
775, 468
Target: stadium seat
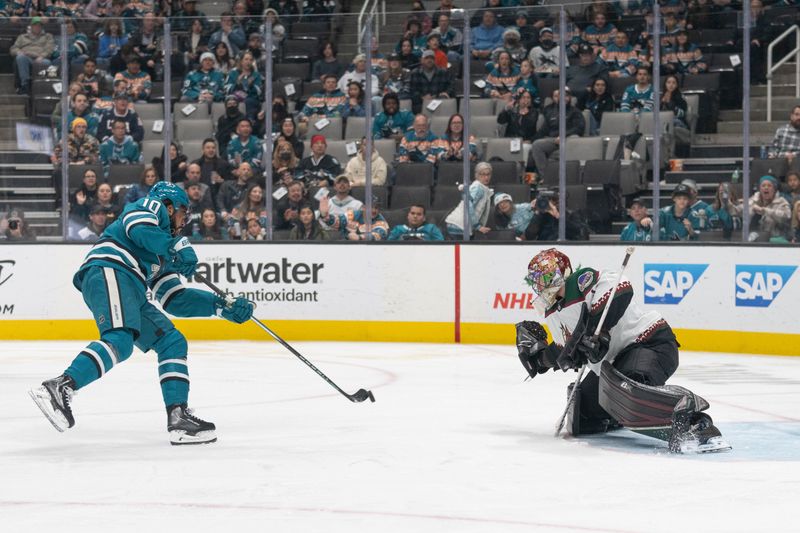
337, 149
701, 83
576, 197
501, 148
617, 86
403, 197
616, 124
495, 235
386, 148
150, 111
583, 148
149, 134
452, 172
151, 149
358, 192
414, 174
438, 125
505, 172
601, 172
573, 174
192, 148
311, 27
446, 197
197, 130
520, 192
395, 217
300, 70
295, 47
332, 132
124, 174
777, 167
446, 108
355, 128
478, 107
483, 127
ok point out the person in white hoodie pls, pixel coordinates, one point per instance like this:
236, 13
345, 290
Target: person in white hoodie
480, 205
356, 168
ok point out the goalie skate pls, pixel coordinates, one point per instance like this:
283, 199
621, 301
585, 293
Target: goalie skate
184, 428
702, 436
53, 399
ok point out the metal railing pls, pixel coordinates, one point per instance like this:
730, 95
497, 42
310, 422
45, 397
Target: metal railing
771, 69
373, 12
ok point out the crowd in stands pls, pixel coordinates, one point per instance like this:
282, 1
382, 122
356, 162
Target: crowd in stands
117, 60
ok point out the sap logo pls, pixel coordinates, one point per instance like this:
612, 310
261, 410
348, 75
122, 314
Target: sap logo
5, 270
759, 285
667, 283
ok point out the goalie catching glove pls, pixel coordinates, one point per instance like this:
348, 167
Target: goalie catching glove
239, 310
531, 346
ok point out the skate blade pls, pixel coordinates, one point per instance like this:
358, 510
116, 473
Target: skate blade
712, 445
41, 398
181, 438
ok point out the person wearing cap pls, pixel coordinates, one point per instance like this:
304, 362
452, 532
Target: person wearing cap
327, 103
119, 148
98, 220
508, 215
139, 82
120, 110
80, 108
319, 168
342, 203
512, 44
678, 220
396, 79
547, 138
429, 82
440, 57
419, 145
353, 227
639, 230
83, 148
356, 168
451, 39
227, 123
546, 56
229, 33
359, 75
206, 84
486, 37
528, 34
770, 213
638, 98
31, 50
415, 228
244, 147
701, 209
582, 75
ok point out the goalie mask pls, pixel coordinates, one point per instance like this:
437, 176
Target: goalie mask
547, 272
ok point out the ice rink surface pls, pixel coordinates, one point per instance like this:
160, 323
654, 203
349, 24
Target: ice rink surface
455, 442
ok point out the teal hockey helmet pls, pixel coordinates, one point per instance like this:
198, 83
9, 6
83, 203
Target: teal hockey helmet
164, 190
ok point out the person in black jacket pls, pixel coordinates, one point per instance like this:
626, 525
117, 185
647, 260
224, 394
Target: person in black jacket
597, 100
547, 138
226, 125
520, 118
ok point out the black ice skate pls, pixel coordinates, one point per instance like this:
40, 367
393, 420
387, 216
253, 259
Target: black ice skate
694, 432
184, 428
53, 398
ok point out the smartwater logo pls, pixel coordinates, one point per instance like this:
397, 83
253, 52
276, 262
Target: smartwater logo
669, 283
759, 285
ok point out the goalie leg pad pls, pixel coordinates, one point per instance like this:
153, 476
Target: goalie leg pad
585, 415
644, 408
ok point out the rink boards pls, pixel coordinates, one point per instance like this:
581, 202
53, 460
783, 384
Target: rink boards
717, 298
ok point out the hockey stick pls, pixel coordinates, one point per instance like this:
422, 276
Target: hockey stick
571, 399
359, 396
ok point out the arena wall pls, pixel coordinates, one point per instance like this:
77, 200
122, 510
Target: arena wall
717, 298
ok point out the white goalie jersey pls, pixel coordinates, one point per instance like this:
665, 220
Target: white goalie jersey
626, 322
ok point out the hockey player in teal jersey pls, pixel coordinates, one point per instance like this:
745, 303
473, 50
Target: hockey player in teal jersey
142, 250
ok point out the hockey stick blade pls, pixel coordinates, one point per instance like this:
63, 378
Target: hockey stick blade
361, 395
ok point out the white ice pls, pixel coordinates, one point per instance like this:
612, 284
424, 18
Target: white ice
456, 441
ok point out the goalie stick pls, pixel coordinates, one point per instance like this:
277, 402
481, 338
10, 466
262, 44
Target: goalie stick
359, 396
560, 425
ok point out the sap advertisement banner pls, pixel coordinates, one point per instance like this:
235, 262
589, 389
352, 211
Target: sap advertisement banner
697, 288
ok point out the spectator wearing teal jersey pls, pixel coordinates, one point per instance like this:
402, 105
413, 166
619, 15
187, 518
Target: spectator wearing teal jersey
508, 215
640, 229
678, 220
415, 228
